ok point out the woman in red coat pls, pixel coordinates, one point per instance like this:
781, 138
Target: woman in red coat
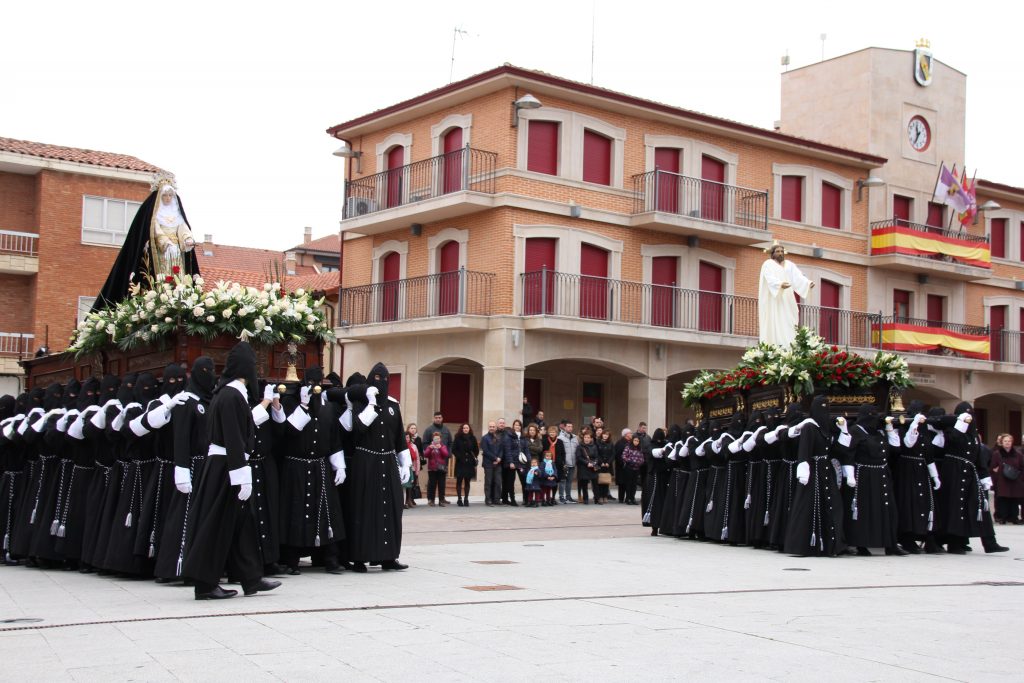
1007, 468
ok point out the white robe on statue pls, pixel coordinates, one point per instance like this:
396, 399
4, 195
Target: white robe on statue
777, 311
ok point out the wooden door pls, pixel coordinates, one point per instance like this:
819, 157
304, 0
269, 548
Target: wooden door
593, 282
453, 161
996, 325
712, 193
901, 208
539, 276
828, 322
667, 159
709, 301
390, 271
394, 180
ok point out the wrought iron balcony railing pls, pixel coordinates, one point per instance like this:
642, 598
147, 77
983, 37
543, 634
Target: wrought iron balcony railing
1007, 346
461, 292
20, 243
697, 198
547, 292
463, 169
840, 326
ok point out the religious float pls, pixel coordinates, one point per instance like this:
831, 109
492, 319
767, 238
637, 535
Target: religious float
771, 377
155, 309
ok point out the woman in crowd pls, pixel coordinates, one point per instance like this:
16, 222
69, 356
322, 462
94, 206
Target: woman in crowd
632, 461
605, 459
465, 449
532, 443
586, 467
522, 459
1007, 463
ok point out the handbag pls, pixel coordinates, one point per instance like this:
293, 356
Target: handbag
1010, 473
604, 478
417, 492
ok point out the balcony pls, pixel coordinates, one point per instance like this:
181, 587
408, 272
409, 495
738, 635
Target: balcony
916, 248
916, 335
19, 253
669, 202
14, 346
434, 299
438, 188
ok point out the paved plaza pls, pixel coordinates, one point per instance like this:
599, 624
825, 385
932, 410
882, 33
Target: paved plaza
566, 593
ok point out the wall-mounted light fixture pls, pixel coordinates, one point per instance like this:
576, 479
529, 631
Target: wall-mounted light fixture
527, 101
346, 152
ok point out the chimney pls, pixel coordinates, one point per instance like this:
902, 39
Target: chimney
289, 262
208, 238
307, 237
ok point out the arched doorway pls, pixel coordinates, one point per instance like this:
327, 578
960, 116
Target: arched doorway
448, 278
395, 160
453, 161
390, 272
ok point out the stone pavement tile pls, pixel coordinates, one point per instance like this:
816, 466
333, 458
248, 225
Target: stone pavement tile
367, 622
305, 665
245, 636
209, 665
433, 619
121, 672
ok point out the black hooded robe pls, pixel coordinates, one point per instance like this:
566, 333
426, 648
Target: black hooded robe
97, 443
191, 442
690, 521
221, 529
53, 475
815, 525
962, 501
74, 506
116, 457
29, 440
372, 496
266, 482
652, 500
784, 483
872, 517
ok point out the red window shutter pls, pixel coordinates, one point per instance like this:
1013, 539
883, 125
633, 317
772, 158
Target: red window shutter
998, 238
831, 204
996, 325
539, 296
828, 316
453, 161
712, 194
901, 208
936, 215
448, 279
792, 198
667, 159
395, 386
709, 304
663, 291
455, 397
597, 158
593, 282
936, 304
542, 147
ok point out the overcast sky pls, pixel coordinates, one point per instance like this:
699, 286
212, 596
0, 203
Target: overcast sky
234, 98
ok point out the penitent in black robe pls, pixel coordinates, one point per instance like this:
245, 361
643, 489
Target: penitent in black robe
815, 525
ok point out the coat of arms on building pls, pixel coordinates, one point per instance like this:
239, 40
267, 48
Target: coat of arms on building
923, 63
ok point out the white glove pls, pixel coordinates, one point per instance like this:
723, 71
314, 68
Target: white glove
675, 451
244, 491
405, 473
848, 472
888, 424
371, 395
337, 461
304, 394
933, 472
986, 483
268, 392
735, 446
920, 419
803, 473
339, 477
183, 479
165, 399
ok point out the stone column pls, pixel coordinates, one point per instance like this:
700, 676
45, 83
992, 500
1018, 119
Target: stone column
503, 374
646, 402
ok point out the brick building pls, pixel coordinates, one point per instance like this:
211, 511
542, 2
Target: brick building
517, 233
64, 213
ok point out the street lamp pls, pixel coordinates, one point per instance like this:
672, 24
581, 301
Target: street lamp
346, 152
527, 101
870, 181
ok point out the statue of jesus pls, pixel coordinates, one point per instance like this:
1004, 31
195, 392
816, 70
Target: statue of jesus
777, 312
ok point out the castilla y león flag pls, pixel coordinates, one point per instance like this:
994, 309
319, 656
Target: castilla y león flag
949, 191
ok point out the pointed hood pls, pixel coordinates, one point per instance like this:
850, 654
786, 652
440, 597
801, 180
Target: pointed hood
146, 388
71, 391
7, 406
202, 380
109, 386
241, 364
173, 380
53, 397
126, 390
819, 411
378, 377
90, 394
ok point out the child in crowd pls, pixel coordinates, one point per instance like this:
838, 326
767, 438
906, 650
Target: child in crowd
632, 461
437, 470
533, 492
549, 477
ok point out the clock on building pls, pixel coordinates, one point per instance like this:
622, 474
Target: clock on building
919, 133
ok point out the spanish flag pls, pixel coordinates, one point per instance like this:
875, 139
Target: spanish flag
904, 337
897, 239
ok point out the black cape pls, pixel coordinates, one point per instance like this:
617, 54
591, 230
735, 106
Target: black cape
133, 262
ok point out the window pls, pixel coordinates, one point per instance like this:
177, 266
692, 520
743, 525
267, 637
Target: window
996, 324
831, 204
84, 306
542, 147
936, 216
901, 304
997, 236
792, 198
106, 221
1021, 240
597, 158
902, 209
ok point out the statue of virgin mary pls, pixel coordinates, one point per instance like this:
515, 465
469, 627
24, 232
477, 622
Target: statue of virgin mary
159, 239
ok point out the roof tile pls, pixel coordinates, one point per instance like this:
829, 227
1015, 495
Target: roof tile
77, 155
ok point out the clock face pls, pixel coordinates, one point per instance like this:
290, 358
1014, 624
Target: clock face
919, 133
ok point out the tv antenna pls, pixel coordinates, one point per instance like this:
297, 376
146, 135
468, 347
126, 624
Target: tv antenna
458, 31
823, 37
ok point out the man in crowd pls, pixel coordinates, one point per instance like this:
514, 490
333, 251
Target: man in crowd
566, 447
493, 448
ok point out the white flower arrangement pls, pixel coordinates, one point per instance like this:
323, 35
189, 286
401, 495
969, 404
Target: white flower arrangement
264, 315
